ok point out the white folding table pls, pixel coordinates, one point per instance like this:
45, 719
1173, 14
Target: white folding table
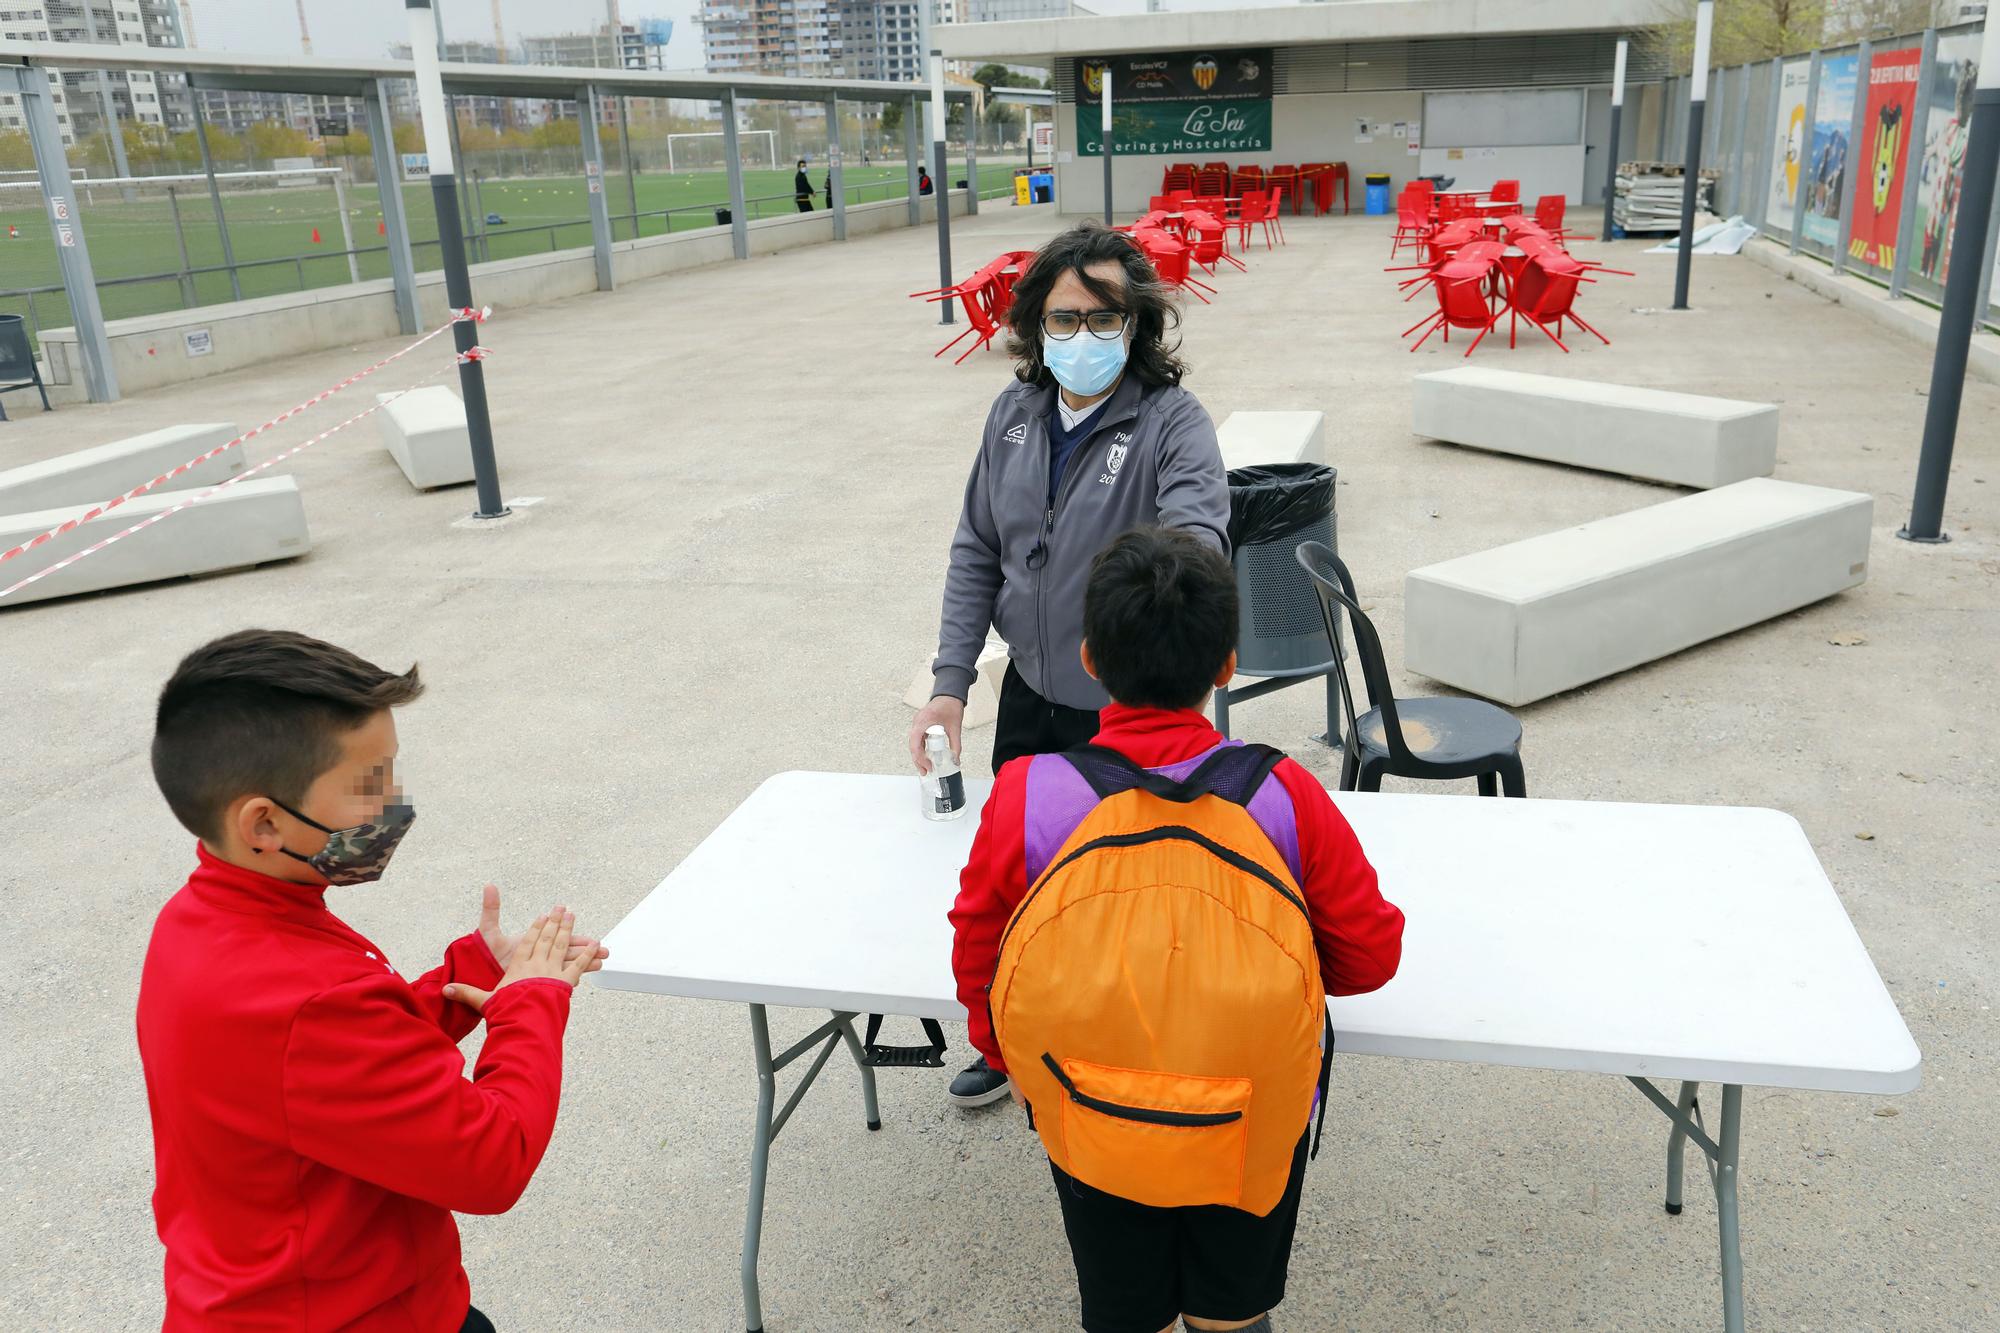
1698, 943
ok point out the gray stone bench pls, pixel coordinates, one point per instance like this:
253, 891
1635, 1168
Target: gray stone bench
424, 431
247, 524
88, 476
1683, 438
1521, 622
1250, 439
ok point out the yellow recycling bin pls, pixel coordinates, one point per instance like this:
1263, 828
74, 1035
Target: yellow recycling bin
1021, 196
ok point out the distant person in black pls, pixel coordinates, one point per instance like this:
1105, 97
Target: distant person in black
923, 181
802, 189
829, 188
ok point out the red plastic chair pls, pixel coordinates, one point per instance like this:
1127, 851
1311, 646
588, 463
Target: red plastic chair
1211, 183
1462, 303
1549, 211
1506, 192
1210, 245
1288, 178
1170, 259
976, 297
1412, 221
1276, 203
1249, 212
1222, 167
1247, 178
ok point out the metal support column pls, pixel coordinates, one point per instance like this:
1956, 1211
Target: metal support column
1805, 155
1617, 116
1906, 224
940, 179
839, 186
1704, 21
451, 246
1664, 91
912, 127
114, 132
389, 189
473, 222
1857, 126
346, 228
631, 163
1104, 148
188, 298
593, 180
1965, 296
31, 86
215, 196
739, 222
1739, 155
1767, 151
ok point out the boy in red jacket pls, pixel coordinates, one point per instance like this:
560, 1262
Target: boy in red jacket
313, 1128
1159, 630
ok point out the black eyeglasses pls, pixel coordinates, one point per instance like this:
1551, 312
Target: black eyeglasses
1064, 324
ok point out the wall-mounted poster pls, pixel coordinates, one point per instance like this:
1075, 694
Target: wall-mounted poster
1176, 76
1947, 121
1831, 156
1888, 122
1790, 150
1177, 103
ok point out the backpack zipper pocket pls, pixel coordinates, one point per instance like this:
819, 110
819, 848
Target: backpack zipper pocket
1145, 1115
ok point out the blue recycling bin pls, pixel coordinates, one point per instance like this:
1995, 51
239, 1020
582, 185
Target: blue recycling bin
1042, 187
1377, 194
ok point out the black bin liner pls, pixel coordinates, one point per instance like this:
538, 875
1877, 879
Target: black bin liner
1272, 502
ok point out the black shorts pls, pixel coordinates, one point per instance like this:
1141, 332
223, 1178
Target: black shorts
1139, 1268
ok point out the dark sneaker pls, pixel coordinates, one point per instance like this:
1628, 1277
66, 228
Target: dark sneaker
979, 1085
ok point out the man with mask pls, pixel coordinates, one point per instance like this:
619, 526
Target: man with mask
1097, 437
313, 1127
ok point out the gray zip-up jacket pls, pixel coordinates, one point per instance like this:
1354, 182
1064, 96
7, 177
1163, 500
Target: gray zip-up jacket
1020, 566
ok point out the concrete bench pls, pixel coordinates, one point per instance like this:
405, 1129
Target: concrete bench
1250, 439
89, 475
1521, 622
247, 524
1682, 438
424, 431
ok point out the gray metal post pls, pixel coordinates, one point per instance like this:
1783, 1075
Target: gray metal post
631, 164
180, 235
1729, 1140
911, 128
1767, 160
1104, 147
1617, 114
346, 229
1665, 92
940, 183
971, 159
839, 189
1739, 156
1691, 183
114, 131
1965, 295
66, 222
1857, 125
215, 197
593, 180
474, 222
1805, 154
1985, 288
451, 245
389, 189
1913, 138
739, 222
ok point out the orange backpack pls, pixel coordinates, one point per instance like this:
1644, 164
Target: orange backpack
1158, 997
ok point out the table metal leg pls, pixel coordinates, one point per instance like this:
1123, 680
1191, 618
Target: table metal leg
760, 1162
1676, 1144
771, 1123
1721, 1152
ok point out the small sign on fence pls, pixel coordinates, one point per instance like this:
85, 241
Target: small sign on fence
59, 207
65, 236
197, 342
416, 166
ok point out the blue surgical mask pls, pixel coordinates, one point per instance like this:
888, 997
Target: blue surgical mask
1084, 364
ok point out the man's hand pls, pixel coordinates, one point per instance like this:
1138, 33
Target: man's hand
544, 950
502, 944
944, 711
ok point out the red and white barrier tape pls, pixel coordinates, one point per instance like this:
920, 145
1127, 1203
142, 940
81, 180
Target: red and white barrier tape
479, 316
199, 496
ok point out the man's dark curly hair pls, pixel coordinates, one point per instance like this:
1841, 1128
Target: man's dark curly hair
1148, 300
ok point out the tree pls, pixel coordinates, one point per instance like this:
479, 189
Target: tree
892, 121
1753, 30
269, 139
409, 138
15, 152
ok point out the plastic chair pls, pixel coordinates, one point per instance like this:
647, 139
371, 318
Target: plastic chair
1170, 259
1210, 246
1506, 192
1287, 176
1222, 167
1274, 205
1463, 302
1549, 211
1249, 212
1247, 178
1446, 738
1545, 292
1412, 221
977, 297
1212, 183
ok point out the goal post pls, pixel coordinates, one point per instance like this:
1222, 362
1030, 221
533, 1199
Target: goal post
692, 157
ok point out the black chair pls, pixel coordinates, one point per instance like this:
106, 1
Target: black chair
1435, 738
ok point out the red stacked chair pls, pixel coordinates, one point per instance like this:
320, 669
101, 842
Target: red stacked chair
1222, 167
1247, 177
1288, 179
1211, 183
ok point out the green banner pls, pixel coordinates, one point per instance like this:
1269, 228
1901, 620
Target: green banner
1180, 129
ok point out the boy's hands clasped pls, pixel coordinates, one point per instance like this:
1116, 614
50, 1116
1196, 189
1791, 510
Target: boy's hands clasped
547, 948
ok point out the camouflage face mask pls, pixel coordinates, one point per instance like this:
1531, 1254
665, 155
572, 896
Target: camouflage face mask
355, 855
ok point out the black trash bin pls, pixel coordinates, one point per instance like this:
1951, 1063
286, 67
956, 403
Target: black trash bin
17, 361
722, 217
1271, 510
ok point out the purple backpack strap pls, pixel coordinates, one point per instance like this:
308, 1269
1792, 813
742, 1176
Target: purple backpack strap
1059, 798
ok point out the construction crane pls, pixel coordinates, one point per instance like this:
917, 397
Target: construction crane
499, 36
305, 38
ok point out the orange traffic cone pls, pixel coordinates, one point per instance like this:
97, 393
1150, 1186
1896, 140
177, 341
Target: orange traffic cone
382, 229
315, 235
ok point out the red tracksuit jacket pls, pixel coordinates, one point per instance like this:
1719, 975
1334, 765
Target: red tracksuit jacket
313, 1128
1359, 936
